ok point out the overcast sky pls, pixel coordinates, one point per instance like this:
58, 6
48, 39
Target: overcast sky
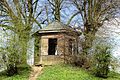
111, 31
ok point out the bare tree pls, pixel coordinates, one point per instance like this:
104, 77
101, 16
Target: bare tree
19, 16
94, 13
56, 7
61, 9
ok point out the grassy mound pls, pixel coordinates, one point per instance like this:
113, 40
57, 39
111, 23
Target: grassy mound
67, 72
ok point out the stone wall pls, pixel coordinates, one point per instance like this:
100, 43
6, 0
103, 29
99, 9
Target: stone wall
51, 59
62, 48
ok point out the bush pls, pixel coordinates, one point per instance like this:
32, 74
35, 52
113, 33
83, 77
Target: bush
16, 69
11, 70
12, 61
102, 58
81, 60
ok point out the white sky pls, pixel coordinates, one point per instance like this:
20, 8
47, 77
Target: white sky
111, 30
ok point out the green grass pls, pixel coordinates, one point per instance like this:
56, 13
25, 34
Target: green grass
24, 72
66, 72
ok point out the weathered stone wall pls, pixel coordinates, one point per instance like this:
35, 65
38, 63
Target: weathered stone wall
62, 48
52, 59
44, 46
69, 52
44, 43
61, 45
73, 40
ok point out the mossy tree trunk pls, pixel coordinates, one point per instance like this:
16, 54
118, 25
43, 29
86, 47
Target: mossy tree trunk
20, 22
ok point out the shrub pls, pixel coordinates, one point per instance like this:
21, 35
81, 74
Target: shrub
11, 70
102, 58
79, 60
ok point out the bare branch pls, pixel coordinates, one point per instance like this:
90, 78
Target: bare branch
51, 3
72, 17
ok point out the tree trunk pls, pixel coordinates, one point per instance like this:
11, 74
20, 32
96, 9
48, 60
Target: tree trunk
23, 44
57, 10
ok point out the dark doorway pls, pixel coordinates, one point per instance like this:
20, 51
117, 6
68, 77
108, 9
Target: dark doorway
52, 46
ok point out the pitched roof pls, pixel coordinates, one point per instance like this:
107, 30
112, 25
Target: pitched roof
55, 27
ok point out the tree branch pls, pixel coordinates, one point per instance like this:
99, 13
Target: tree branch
72, 17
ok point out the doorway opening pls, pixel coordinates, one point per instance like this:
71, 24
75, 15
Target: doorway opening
52, 46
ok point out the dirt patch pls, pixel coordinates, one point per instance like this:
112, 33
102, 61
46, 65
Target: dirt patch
36, 70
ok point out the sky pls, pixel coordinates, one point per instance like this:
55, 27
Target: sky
111, 31
3, 38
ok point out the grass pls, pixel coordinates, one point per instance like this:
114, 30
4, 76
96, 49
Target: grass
24, 72
67, 72
58, 72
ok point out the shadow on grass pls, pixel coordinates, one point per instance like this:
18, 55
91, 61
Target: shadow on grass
69, 72
114, 75
23, 73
